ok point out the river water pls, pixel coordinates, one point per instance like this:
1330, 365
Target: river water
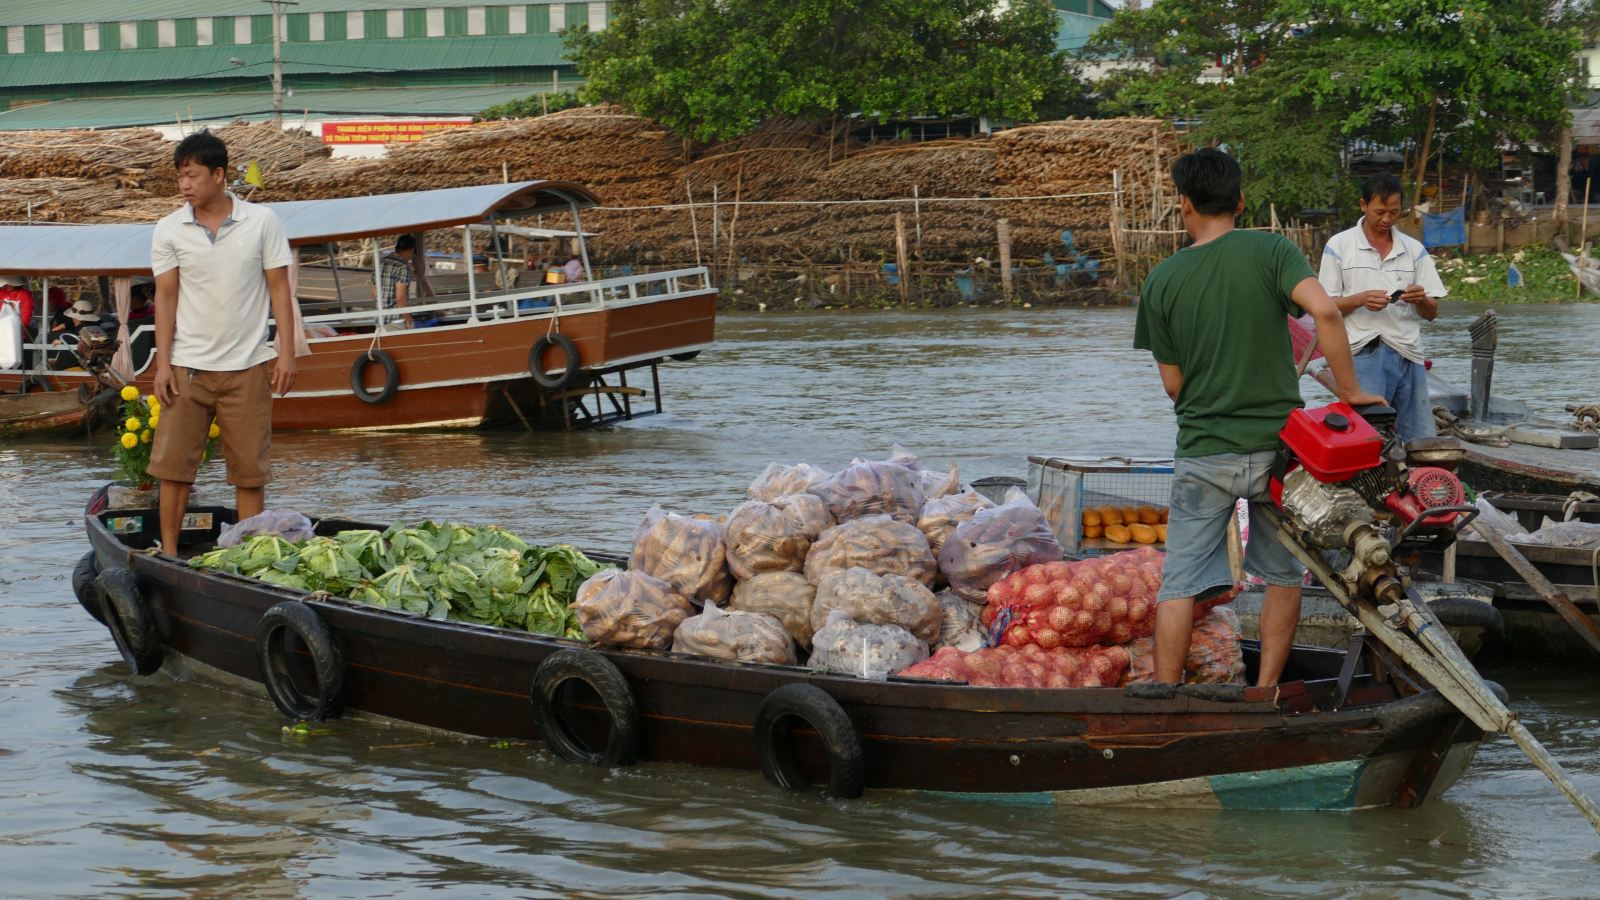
158, 787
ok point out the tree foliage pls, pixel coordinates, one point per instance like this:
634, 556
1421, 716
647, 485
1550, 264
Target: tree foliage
531, 105
1299, 79
714, 69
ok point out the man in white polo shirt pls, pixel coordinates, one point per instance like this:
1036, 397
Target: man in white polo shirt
1386, 285
221, 265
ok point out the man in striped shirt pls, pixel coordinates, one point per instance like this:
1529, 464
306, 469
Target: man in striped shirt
395, 278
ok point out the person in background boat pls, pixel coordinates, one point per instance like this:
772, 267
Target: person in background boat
1363, 267
1214, 316
14, 290
82, 312
141, 302
395, 279
221, 267
573, 268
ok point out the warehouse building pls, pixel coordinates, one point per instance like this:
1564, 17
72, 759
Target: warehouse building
359, 72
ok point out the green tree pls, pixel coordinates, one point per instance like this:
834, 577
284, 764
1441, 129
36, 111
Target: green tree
1300, 78
714, 69
531, 105
1471, 75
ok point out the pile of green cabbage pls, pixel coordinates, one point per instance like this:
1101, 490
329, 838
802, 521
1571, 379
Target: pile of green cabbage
485, 575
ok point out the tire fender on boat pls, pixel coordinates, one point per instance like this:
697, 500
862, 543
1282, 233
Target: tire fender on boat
132, 622
358, 379
811, 705
88, 593
606, 680
569, 365
272, 656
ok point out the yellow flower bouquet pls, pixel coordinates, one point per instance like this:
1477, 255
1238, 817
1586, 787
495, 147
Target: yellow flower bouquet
141, 416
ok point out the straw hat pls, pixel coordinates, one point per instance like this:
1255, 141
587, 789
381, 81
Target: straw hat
83, 311
14, 280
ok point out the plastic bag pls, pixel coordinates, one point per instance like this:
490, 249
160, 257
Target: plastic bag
942, 515
743, 636
780, 480
809, 511
285, 523
1576, 535
866, 488
879, 544
1503, 522
845, 647
1025, 667
879, 600
10, 336
939, 484
620, 608
995, 543
1214, 653
685, 552
763, 537
959, 626
788, 596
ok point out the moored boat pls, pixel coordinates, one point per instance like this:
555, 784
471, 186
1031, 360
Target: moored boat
1534, 631
501, 353
1341, 733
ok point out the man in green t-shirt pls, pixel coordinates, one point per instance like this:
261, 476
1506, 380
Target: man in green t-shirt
1215, 317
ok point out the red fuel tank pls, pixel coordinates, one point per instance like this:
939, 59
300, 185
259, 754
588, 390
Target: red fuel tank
1332, 442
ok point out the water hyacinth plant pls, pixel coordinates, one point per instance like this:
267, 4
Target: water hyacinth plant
140, 417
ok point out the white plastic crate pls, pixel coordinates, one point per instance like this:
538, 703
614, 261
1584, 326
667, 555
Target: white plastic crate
1065, 487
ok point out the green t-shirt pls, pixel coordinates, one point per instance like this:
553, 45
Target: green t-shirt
1217, 312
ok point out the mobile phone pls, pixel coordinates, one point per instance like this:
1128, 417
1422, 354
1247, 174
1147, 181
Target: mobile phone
1394, 296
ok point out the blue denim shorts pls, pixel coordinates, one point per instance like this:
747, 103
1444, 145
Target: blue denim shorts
1204, 489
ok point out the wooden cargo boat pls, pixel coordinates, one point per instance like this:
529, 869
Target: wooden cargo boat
1533, 630
551, 354
1342, 734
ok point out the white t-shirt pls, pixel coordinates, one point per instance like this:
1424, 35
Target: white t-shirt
1350, 265
223, 301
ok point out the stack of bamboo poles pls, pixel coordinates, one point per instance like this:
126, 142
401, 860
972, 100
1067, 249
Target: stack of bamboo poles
792, 192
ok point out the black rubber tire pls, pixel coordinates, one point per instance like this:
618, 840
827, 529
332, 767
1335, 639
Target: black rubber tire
130, 619
83, 587
685, 357
358, 381
569, 369
607, 681
272, 659
810, 704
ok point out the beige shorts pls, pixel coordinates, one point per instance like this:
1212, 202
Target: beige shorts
241, 402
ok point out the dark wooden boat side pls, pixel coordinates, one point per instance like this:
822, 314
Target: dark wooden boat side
1278, 749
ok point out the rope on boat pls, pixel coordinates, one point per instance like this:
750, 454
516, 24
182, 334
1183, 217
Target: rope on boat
1569, 507
1447, 424
1586, 416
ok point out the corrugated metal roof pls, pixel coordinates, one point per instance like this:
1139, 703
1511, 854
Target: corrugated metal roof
347, 57
56, 12
125, 249
122, 112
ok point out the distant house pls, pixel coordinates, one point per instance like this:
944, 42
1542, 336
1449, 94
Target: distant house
94, 63
1076, 22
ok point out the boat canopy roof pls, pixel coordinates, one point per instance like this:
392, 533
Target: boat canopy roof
125, 249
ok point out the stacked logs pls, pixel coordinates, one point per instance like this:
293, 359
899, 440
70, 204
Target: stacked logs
631, 162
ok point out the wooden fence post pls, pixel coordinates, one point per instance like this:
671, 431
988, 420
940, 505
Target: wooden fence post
901, 260
1003, 232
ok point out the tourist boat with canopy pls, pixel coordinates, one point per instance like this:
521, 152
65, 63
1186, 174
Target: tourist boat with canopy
1346, 730
501, 353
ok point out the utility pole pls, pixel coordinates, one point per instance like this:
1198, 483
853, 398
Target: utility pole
277, 57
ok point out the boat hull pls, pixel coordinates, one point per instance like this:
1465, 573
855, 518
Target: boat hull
1022, 745
471, 374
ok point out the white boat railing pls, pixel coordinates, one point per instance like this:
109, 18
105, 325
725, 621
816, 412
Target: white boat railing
542, 301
